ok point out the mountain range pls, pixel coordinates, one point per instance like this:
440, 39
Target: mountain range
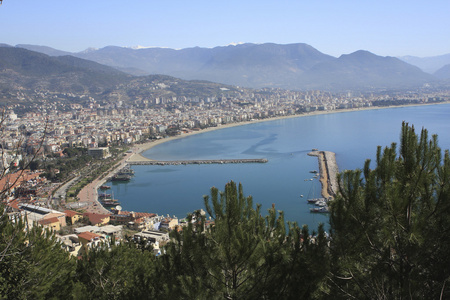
293, 66
27, 75
21, 68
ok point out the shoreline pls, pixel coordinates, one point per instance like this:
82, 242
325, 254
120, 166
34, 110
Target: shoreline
89, 193
140, 148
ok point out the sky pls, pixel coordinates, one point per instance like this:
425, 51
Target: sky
334, 27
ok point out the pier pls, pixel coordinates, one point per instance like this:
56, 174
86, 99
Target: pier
328, 172
196, 162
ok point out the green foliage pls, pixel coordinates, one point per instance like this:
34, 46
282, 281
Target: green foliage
120, 272
34, 165
32, 264
390, 225
74, 152
242, 255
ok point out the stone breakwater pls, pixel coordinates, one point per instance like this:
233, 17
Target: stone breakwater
198, 162
328, 172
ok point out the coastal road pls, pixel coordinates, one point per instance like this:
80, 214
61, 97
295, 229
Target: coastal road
89, 193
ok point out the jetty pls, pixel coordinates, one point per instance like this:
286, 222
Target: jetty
328, 170
196, 162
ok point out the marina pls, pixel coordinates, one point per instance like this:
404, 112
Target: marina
328, 179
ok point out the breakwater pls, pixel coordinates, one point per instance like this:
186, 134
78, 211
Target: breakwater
328, 172
197, 162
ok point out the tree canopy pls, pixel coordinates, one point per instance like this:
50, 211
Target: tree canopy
239, 254
390, 224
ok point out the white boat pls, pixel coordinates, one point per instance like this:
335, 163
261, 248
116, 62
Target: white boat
322, 209
321, 203
315, 200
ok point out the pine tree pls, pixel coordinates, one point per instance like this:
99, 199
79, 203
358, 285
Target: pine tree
242, 255
33, 264
120, 271
390, 224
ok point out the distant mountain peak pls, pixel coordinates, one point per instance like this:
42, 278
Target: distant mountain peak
235, 44
360, 54
89, 50
139, 47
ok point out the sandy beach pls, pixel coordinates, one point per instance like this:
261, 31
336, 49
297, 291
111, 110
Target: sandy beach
139, 148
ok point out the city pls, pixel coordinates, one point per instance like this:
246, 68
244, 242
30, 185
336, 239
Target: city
45, 131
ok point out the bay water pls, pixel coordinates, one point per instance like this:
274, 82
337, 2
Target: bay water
353, 136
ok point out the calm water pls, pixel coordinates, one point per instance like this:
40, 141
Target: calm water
354, 136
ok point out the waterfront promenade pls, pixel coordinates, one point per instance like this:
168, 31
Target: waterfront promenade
89, 194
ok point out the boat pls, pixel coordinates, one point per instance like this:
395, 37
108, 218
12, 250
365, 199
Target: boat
121, 177
315, 200
321, 203
301, 196
105, 187
104, 195
320, 210
110, 203
126, 171
314, 171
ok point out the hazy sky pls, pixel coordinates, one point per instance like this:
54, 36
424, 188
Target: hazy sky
335, 27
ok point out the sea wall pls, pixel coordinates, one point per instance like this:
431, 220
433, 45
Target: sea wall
203, 161
328, 172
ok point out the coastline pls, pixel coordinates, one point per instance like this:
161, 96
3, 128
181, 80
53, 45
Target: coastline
89, 193
140, 148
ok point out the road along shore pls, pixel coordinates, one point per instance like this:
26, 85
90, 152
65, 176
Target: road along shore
328, 170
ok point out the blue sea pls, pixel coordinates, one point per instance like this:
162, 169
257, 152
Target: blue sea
353, 136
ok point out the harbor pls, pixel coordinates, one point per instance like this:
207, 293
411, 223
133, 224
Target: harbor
328, 171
